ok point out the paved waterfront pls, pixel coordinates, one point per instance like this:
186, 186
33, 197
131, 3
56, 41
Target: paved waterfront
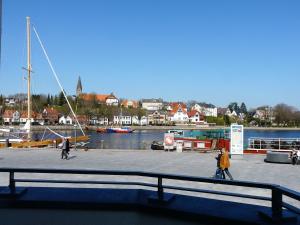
249, 168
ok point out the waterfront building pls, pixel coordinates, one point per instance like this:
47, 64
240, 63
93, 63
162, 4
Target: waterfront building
196, 117
50, 115
122, 119
11, 116
65, 120
14, 117
206, 109
94, 120
108, 99
143, 121
130, 104
157, 117
231, 113
178, 114
10, 102
152, 104
24, 117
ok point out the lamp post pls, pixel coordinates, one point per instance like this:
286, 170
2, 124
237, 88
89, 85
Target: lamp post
75, 137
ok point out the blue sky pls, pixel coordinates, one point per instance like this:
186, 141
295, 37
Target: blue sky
213, 51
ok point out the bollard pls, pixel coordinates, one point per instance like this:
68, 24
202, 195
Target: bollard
102, 144
7, 144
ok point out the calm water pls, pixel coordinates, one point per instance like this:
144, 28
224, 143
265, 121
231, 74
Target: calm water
142, 139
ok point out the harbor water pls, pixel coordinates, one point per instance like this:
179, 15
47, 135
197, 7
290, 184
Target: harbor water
142, 139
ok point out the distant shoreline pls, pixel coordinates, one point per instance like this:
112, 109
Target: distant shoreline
179, 127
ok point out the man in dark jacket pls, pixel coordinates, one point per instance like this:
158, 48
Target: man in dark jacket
65, 149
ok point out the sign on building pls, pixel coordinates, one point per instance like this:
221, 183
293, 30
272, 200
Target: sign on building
236, 139
169, 141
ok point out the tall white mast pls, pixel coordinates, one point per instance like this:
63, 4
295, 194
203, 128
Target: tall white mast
28, 78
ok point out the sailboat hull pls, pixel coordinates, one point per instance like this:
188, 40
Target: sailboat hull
44, 143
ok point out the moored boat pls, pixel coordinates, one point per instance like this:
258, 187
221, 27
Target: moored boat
101, 130
203, 140
260, 145
121, 130
157, 145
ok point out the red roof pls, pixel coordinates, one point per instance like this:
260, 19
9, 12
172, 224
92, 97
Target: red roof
127, 103
98, 97
24, 114
176, 106
193, 113
8, 113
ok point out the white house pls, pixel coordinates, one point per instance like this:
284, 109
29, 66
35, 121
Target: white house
142, 122
112, 100
10, 101
206, 110
179, 113
231, 114
99, 121
152, 104
196, 117
122, 120
65, 120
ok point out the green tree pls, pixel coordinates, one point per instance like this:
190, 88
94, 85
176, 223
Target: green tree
227, 120
243, 108
283, 114
61, 99
48, 100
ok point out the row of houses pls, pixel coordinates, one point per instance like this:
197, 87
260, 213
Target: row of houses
177, 113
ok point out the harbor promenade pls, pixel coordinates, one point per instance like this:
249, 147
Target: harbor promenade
249, 168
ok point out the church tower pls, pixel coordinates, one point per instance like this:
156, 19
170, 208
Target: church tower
79, 87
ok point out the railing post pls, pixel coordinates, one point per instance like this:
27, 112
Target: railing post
12, 183
259, 143
160, 189
276, 203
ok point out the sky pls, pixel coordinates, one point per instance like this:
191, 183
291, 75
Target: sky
210, 51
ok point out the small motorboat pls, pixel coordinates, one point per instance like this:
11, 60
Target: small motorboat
157, 145
101, 130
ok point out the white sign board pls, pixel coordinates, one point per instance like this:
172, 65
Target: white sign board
236, 139
169, 141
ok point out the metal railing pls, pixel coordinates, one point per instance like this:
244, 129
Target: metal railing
276, 198
282, 144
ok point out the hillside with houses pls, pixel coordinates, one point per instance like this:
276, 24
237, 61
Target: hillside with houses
108, 109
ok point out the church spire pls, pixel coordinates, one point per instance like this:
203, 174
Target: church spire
79, 87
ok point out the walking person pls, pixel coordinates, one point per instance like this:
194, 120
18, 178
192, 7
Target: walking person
225, 164
294, 156
65, 149
218, 174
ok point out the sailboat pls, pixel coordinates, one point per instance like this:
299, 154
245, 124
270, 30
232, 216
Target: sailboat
26, 132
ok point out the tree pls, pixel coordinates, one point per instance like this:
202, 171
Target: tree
243, 108
234, 107
227, 120
283, 114
48, 100
61, 99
